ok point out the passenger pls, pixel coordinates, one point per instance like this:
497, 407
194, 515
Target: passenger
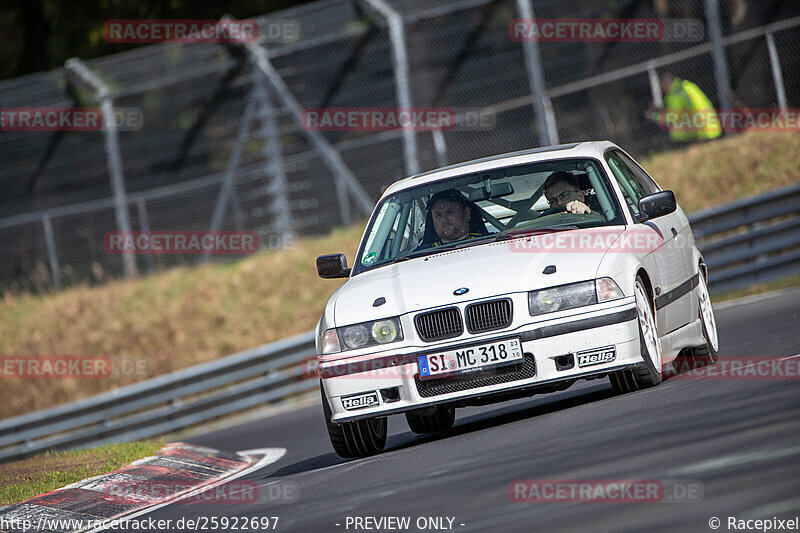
563, 189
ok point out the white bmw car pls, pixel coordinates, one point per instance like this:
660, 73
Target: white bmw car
570, 263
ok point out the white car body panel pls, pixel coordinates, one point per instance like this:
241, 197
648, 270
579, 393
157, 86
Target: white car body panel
504, 269
413, 286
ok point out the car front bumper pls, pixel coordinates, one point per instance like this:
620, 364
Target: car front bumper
390, 384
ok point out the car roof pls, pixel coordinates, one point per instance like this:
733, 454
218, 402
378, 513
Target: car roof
543, 153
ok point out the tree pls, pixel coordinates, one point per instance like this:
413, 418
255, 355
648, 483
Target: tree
40, 35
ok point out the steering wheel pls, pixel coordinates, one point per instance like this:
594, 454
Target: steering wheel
554, 210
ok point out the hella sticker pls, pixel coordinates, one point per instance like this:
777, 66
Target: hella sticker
360, 401
597, 356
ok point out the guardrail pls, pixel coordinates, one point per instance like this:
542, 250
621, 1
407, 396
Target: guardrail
752, 240
167, 403
743, 242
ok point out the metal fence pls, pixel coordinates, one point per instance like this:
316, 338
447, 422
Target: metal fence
756, 239
221, 145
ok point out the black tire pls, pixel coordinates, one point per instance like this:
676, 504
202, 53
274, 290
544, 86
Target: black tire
355, 439
645, 374
439, 419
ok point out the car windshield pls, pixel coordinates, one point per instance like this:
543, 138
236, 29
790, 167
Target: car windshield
501, 202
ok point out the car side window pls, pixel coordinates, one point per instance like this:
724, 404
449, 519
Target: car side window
643, 178
632, 190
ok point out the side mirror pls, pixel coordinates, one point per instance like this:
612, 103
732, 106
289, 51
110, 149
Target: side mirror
332, 266
657, 205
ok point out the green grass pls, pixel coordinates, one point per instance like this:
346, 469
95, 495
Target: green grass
25, 479
186, 316
757, 288
707, 174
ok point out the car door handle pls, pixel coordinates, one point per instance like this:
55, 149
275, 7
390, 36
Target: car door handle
674, 233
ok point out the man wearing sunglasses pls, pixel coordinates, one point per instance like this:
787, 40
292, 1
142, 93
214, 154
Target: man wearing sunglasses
562, 189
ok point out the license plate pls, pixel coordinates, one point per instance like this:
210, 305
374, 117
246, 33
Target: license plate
470, 358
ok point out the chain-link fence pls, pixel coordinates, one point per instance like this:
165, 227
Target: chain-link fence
222, 143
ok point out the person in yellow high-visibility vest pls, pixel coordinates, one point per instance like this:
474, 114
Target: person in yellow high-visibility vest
688, 114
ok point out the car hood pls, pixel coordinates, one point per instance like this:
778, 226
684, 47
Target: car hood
485, 270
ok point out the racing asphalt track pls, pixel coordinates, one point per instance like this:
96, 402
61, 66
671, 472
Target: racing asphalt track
740, 438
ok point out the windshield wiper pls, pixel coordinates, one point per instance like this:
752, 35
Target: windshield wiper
414, 255
533, 232
441, 248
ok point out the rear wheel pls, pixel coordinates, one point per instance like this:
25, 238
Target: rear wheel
355, 439
431, 420
648, 374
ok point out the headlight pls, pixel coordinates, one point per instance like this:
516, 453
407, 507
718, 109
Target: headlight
369, 334
385, 331
355, 336
545, 301
572, 296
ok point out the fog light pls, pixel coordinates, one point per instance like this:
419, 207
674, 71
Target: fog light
392, 394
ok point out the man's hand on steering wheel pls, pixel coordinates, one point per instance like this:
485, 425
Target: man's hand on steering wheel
578, 208
553, 210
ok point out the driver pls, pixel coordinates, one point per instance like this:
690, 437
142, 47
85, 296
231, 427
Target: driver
451, 213
562, 189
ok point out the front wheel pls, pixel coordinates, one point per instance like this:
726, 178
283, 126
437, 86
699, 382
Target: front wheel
706, 354
648, 374
355, 439
431, 421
